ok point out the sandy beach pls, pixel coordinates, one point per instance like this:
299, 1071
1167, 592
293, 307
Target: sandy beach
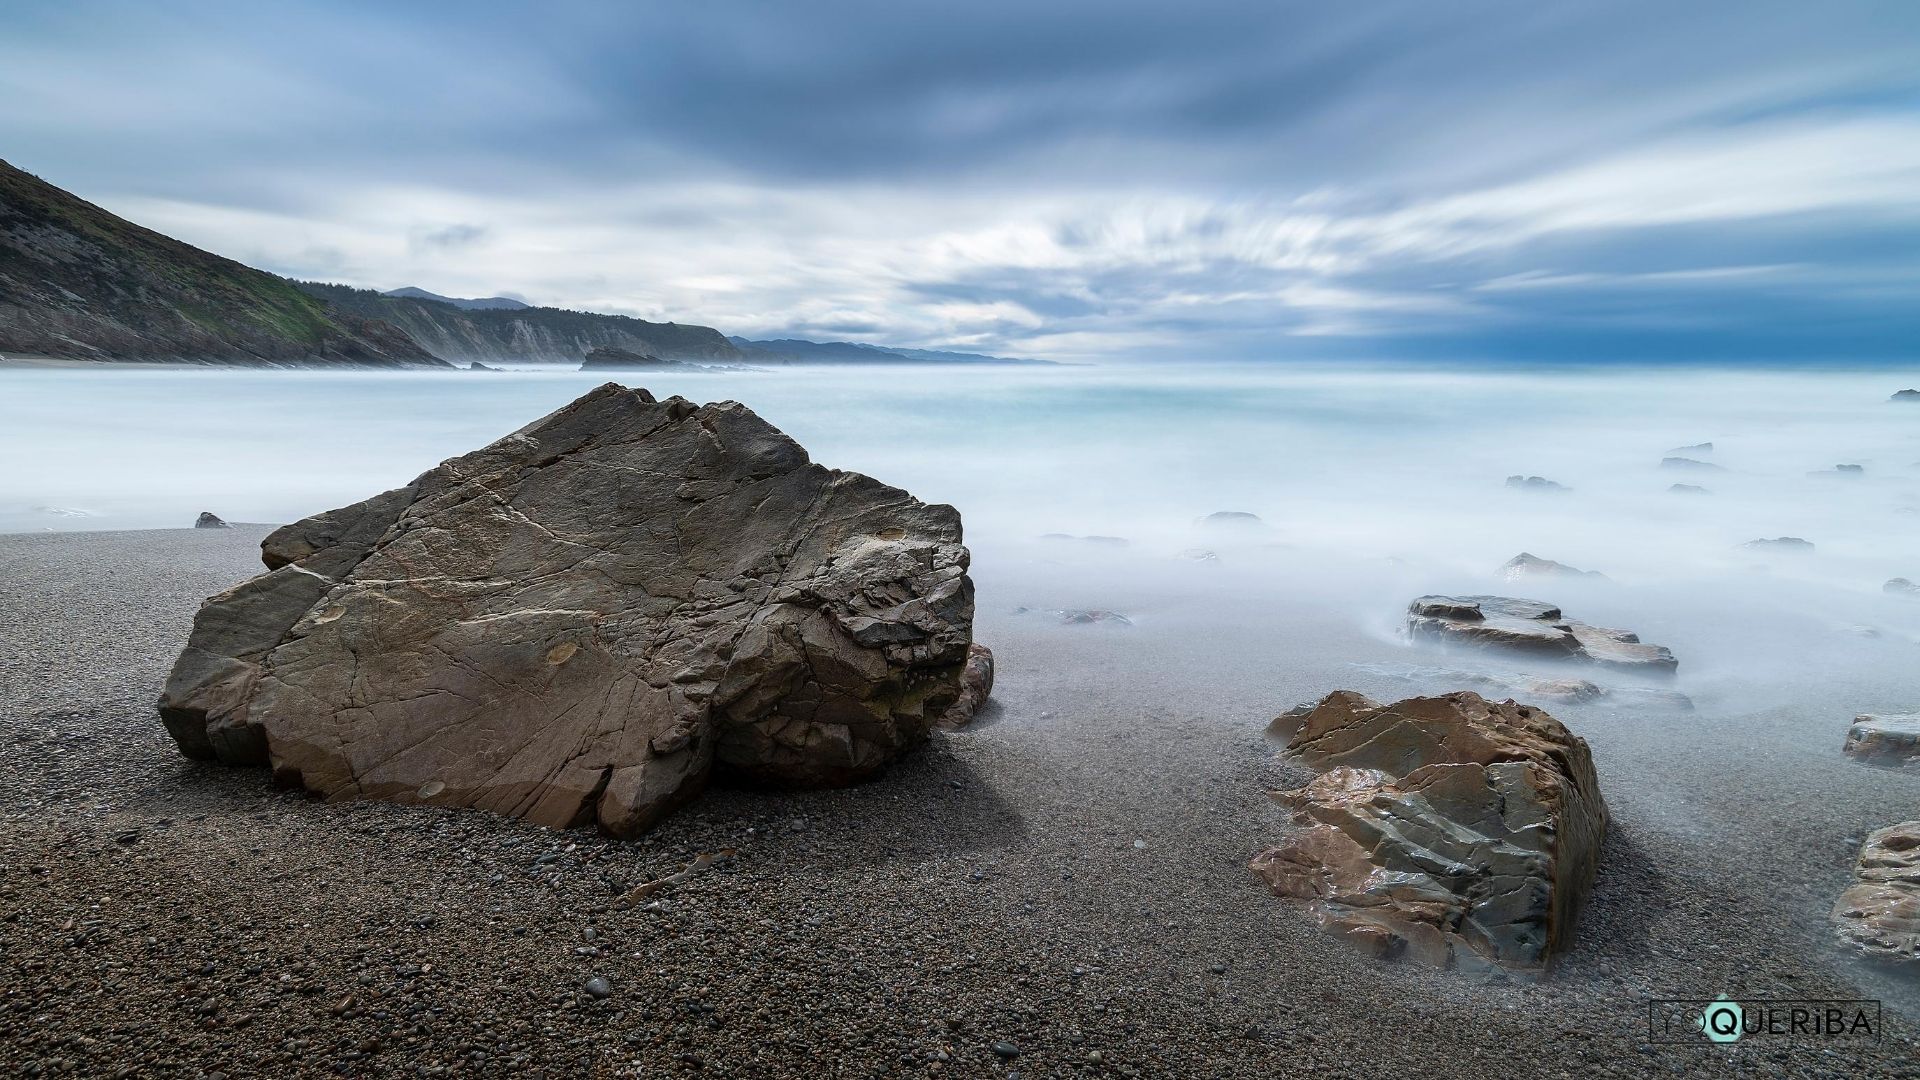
1059, 890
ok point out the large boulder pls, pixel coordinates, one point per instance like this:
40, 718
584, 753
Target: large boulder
1461, 832
1884, 740
1879, 915
1532, 627
580, 622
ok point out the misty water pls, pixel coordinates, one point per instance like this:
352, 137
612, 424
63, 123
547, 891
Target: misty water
1372, 484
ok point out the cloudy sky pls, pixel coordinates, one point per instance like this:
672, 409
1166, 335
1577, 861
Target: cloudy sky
1711, 180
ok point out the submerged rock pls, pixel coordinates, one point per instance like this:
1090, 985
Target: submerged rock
1457, 831
1690, 463
1853, 472
580, 622
1535, 483
1528, 567
1786, 544
209, 520
478, 366
1531, 626
1884, 740
1097, 541
1078, 616
1696, 448
1535, 688
1901, 587
1232, 519
1689, 489
1879, 915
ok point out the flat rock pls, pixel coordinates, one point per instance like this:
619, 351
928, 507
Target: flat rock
1460, 832
210, 520
580, 622
1851, 472
1529, 567
1534, 627
1539, 688
1884, 740
1879, 915
1688, 489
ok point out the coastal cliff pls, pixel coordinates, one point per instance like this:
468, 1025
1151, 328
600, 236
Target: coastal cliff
542, 334
79, 283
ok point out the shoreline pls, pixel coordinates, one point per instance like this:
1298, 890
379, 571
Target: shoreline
987, 889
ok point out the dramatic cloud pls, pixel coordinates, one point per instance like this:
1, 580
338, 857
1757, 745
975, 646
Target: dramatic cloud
1063, 179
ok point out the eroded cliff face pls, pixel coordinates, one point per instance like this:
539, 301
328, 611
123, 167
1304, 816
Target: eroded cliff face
545, 335
77, 282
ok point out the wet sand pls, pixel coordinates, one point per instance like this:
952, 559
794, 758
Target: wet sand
1059, 890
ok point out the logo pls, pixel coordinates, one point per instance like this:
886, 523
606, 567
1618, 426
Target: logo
1721, 1020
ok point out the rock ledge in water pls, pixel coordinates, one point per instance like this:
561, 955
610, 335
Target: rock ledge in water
581, 621
1461, 832
1884, 740
1879, 915
1534, 627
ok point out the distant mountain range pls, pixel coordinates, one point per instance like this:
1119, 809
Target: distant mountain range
484, 303
77, 282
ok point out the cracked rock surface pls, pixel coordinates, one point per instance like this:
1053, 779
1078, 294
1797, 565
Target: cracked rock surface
582, 621
1879, 916
1534, 627
1460, 832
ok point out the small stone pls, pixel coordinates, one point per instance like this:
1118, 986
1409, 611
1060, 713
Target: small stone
1139, 844
1006, 1050
598, 988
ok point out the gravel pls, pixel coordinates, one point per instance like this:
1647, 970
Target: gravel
1056, 891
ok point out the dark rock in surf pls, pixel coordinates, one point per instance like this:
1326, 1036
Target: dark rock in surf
210, 520
1535, 483
1791, 545
614, 358
580, 622
1460, 832
1534, 628
1078, 616
1905, 395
